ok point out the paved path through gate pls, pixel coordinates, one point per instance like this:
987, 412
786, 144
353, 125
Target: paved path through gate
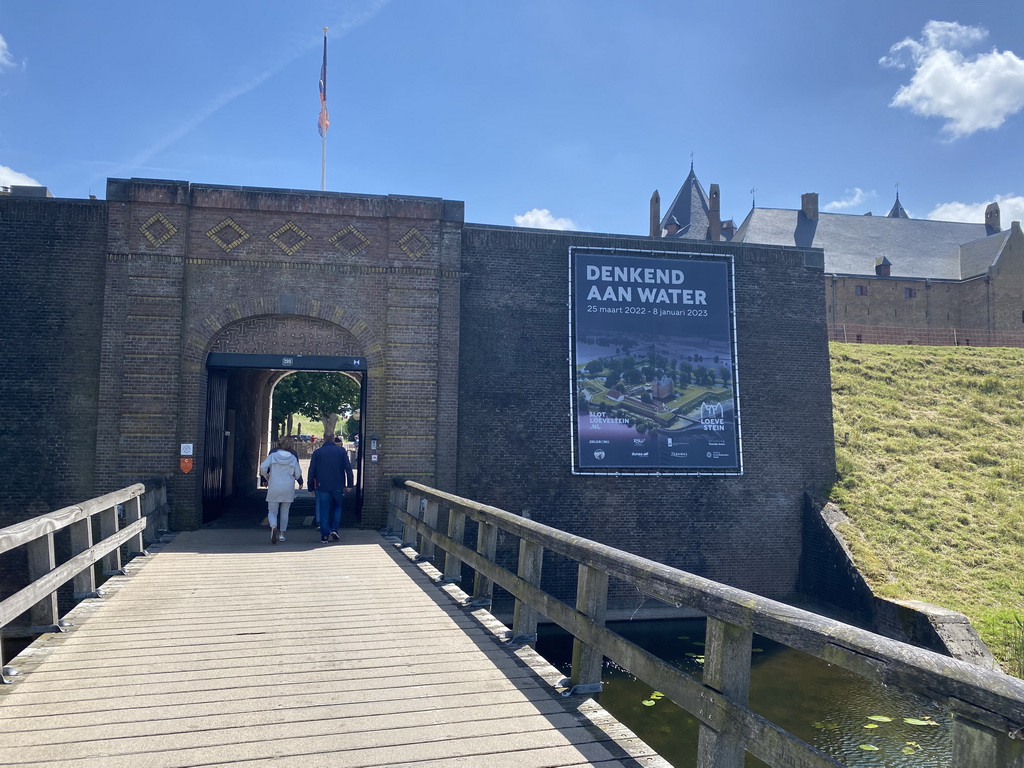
222, 650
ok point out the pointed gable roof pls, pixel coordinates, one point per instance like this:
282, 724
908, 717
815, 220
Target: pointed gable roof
690, 210
897, 212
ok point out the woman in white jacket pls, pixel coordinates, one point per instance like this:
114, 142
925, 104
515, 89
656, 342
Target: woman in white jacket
281, 469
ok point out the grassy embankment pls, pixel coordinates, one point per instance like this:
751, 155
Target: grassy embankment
930, 454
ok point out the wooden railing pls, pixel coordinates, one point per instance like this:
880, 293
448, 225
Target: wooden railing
144, 512
987, 707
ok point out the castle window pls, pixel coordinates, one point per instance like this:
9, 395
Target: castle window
860, 290
910, 293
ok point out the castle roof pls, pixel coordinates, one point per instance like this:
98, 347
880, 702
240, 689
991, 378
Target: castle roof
690, 211
897, 212
918, 248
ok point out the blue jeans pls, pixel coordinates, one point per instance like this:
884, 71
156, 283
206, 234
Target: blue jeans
330, 511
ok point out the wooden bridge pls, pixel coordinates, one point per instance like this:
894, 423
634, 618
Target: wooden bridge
220, 650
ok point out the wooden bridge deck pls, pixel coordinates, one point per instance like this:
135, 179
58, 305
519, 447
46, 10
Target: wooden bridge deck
222, 650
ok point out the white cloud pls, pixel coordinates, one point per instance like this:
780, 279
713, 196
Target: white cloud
853, 198
9, 176
972, 94
5, 54
1011, 208
541, 218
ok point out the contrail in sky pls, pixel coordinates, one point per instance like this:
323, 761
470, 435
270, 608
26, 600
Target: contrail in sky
143, 157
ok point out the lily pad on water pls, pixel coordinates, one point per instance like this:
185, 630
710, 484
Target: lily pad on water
918, 721
871, 725
880, 718
869, 747
657, 695
648, 703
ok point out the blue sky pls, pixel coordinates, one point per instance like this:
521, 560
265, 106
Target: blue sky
562, 113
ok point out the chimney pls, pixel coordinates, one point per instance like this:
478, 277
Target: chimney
715, 208
809, 205
992, 219
656, 214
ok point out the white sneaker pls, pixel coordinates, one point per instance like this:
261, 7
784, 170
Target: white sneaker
280, 537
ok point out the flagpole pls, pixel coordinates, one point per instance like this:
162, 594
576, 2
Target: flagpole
323, 134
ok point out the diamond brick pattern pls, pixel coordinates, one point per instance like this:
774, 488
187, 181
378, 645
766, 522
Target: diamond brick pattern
350, 241
228, 235
158, 230
414, 244
289, 238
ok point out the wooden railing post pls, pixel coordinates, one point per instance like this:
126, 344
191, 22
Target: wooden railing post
133, 512
524, 618
976, 744
42, 560
397, 494
426, 546
81, 540
486, 546
456, 532
727, 650
412, 508
111, 562
592, 601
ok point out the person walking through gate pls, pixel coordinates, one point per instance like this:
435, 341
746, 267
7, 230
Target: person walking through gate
330, 473
281, 469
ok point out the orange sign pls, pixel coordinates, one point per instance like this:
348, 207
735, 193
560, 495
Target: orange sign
185, 462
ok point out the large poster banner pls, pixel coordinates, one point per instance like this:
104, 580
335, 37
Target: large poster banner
653, 364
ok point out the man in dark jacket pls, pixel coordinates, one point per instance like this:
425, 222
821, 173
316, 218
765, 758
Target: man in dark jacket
330, 473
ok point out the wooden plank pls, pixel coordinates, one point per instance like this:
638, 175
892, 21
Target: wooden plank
22, 533
219, 651
878, 659
21, 601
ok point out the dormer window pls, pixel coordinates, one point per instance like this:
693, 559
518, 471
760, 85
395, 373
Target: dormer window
882, 267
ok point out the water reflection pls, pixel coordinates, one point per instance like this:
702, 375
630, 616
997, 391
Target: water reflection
824, 705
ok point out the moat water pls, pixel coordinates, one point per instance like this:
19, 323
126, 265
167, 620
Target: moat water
860, 724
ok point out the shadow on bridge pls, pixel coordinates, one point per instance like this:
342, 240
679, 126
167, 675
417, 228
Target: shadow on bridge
223, 648
250, 511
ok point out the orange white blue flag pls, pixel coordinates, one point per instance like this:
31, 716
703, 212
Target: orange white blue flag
323, 123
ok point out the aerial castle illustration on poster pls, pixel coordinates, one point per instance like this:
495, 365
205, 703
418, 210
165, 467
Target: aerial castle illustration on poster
653, 364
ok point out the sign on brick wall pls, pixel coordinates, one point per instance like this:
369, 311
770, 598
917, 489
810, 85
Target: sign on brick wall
653, 363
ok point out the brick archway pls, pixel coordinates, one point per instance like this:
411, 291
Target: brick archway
266, 326
282, 324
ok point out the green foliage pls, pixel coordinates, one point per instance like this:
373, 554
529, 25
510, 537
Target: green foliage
929, 472
315, 394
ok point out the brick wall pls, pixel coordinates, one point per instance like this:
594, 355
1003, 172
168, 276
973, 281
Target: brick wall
278, 271
52, 294
514, 425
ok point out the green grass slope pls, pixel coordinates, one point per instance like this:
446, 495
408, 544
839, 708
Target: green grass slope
930, 459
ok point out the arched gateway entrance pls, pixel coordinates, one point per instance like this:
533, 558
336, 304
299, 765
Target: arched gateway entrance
246, 359
239, 388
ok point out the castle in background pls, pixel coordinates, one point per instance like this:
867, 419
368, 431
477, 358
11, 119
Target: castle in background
888, 279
